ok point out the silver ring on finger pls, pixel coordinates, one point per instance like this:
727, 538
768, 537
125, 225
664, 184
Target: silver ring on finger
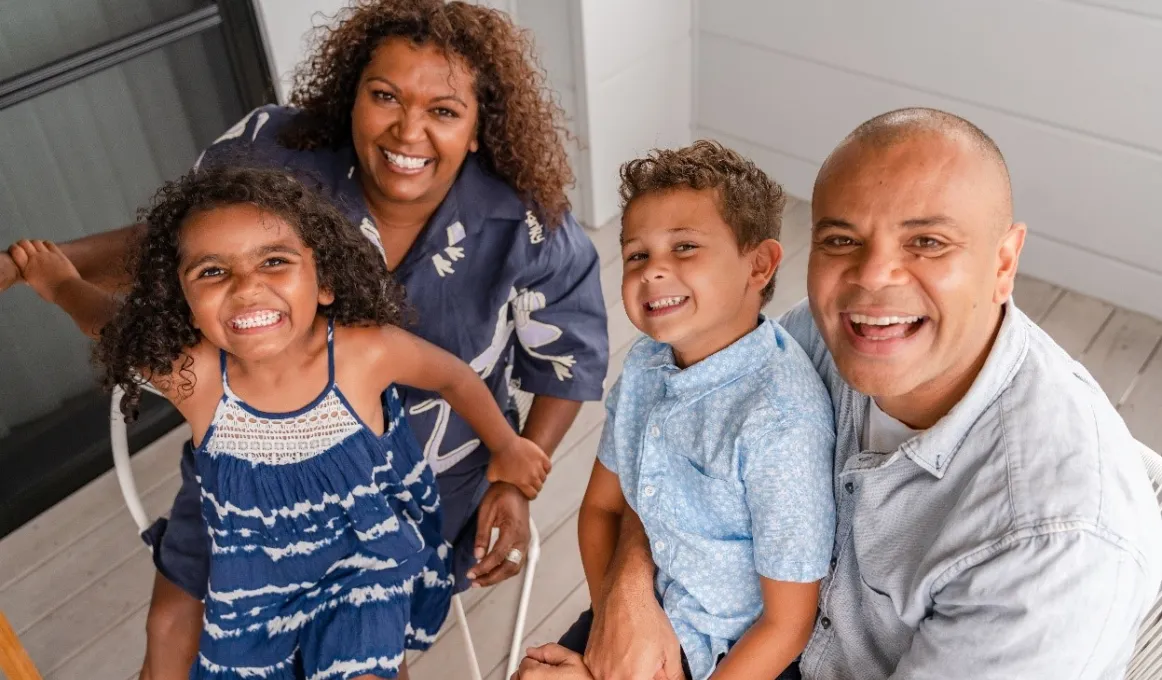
515, 556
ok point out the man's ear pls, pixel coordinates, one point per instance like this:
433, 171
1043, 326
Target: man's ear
1008, 255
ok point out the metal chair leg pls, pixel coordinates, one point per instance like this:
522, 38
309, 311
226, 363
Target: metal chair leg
518, 633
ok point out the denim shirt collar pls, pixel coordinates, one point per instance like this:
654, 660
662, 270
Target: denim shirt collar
724, 366
934, 448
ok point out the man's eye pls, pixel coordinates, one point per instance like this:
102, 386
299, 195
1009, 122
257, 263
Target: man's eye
838, 241
927, 243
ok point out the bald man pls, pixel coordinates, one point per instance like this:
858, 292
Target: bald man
995, 519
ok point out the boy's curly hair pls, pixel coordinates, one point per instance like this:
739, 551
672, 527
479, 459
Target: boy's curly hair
521, 126
749, 201
154, 326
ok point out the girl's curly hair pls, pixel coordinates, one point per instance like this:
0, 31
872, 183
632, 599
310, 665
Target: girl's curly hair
521, 127
154, 326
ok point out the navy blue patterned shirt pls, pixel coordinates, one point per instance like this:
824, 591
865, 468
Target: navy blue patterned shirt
517, 300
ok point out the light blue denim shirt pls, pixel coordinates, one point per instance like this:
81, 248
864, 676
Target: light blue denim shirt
728, 464
1018, 537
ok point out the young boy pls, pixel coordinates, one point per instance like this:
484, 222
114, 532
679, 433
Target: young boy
720, 432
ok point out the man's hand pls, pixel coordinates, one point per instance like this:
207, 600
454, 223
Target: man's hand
9, 272
43, 266
632, 639
522, 464
552, 662
505, 508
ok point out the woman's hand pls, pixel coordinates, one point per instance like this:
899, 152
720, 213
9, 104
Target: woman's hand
522, 464
507, 509
43, 266
9, 272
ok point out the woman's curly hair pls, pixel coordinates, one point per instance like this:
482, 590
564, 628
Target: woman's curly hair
154, 326
521, 128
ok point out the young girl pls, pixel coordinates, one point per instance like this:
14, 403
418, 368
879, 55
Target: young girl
273, 327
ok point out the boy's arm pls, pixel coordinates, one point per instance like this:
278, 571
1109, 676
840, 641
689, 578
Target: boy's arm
46, 269
778, 636
598, 527
421, 364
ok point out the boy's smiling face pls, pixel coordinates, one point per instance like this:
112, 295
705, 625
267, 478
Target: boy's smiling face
685, 281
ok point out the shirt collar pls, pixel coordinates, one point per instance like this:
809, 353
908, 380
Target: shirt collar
726, 365
476, 196
934, 448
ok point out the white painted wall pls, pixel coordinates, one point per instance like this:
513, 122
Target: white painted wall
635, 88
286, 27
1070, 89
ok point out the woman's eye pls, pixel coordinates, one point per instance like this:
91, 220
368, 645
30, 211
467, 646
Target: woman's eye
446, 113
383, 95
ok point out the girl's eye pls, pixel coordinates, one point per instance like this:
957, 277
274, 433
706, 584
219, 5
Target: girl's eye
274, 262
210, 272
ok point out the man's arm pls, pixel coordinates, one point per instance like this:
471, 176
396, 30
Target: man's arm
632, 638
1056, 605
598, 526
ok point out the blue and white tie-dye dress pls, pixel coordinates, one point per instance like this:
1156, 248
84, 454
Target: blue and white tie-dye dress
327, 559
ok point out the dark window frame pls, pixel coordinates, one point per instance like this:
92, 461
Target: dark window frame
57, 454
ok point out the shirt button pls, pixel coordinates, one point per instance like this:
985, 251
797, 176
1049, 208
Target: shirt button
825, 622
649, 491
660, 545
849, 487
654, 431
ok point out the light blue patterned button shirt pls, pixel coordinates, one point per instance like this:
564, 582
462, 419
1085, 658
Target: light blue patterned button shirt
729, 465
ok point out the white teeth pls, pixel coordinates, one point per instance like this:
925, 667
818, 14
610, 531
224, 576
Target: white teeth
665, 302
883, 320
406, 162
256, 320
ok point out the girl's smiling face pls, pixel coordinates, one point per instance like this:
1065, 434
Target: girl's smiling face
249, 280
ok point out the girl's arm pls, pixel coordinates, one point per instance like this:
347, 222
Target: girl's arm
54, 278
421, 364
777, 637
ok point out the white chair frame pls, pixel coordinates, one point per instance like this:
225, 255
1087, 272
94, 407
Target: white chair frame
119, 439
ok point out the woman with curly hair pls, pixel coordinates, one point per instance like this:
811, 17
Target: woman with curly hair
252, 297
430, 126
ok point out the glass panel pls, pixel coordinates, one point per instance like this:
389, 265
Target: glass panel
37, 32
79, 160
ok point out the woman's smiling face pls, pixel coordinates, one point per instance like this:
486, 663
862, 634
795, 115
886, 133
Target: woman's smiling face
413, 122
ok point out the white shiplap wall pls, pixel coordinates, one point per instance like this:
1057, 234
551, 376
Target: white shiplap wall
636, 83
1070, 89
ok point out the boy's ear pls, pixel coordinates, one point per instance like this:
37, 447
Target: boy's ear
764, 261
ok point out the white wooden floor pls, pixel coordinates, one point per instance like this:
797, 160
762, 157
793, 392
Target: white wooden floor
75, 582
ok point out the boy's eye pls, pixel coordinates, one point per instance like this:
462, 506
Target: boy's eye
685, 247
635, 257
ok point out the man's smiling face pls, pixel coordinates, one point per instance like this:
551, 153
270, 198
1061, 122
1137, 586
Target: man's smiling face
912, 254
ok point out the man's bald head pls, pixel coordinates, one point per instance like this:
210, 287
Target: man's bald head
903, 125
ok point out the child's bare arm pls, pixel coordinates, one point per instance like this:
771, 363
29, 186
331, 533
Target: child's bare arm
598, 528
413, 361
779, 635
54, 278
